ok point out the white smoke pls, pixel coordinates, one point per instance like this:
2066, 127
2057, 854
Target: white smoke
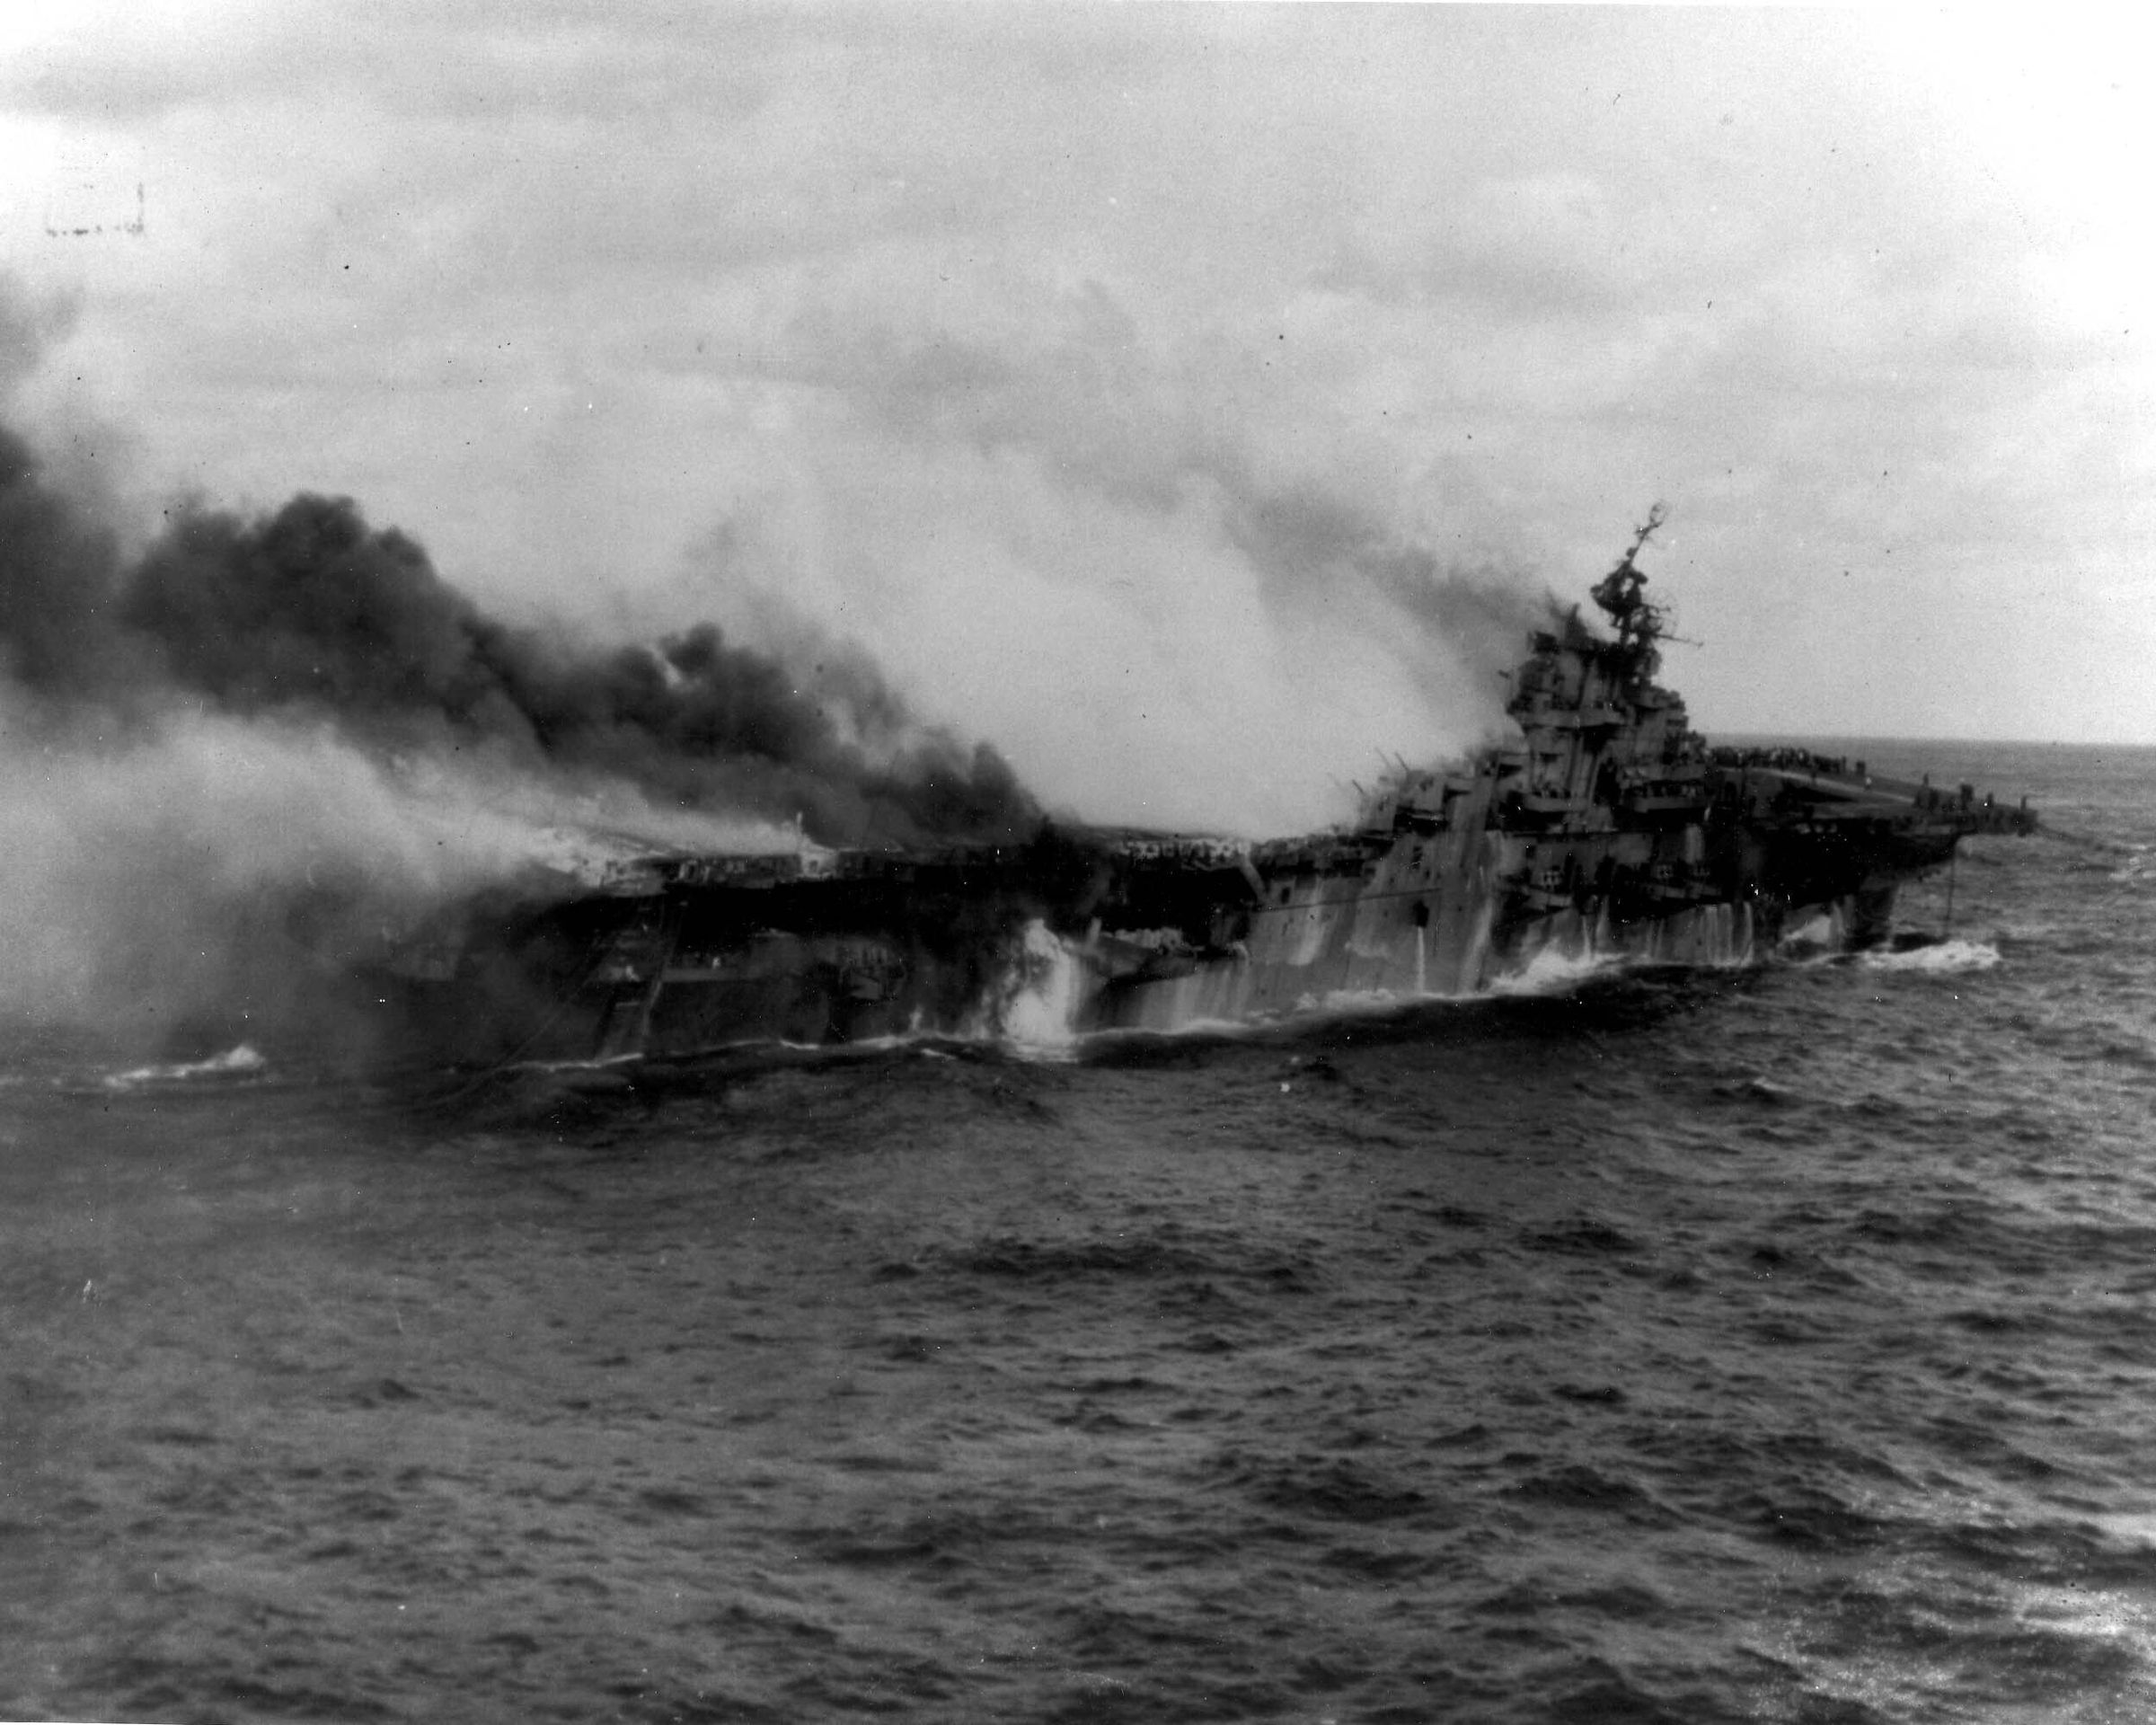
144, 871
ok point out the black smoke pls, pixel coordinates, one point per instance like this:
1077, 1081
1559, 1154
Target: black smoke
310, 613
1302, 541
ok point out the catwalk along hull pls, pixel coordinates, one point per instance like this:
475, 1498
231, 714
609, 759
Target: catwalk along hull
1607, 829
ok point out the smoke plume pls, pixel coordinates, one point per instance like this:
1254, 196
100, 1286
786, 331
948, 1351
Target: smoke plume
1304, 541
264, 746
311, 614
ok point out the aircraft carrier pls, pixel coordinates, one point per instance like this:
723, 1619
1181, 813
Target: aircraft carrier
1609, 829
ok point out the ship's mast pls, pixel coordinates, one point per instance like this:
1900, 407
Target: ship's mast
1620, 595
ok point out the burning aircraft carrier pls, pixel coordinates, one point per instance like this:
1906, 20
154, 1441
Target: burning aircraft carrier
221, 854
1608, 829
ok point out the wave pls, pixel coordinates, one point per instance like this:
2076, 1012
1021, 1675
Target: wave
1822, 931
1553, 971
2137, 867
1942, 957
243, 1061
596, 1063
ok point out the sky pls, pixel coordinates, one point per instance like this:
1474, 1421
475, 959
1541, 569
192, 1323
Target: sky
1194, 400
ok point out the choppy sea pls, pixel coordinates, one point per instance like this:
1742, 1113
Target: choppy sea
1774, 1345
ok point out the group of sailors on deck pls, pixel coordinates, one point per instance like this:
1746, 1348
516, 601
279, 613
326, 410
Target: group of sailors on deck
1788, 760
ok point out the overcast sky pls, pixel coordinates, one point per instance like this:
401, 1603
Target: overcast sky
1119, 377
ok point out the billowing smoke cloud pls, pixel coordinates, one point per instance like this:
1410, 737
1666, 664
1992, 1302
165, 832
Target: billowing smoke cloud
1191, 564
1305, 541
1168, 616
310, 612
211, 875
265, 745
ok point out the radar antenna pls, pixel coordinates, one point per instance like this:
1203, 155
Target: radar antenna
1619, 594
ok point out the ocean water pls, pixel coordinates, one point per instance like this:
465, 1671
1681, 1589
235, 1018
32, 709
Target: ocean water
1777, 1345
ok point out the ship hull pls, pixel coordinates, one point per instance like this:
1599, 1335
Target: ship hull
1048, 954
